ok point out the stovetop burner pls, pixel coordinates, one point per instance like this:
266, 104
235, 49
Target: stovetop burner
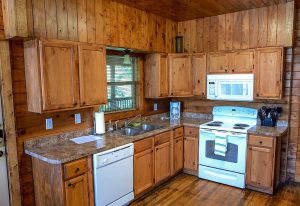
241, 125
214, 125
217, 122
236, 127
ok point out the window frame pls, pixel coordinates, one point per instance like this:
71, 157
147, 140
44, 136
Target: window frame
138, 87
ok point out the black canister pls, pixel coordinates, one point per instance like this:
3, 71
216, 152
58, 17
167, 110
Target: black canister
179, 44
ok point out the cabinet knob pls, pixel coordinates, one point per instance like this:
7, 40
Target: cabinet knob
75, 104
225, 70
260, 142
198, 81
77, 170
232, 70
257, 95
83, 103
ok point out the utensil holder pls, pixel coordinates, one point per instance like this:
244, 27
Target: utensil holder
269, 122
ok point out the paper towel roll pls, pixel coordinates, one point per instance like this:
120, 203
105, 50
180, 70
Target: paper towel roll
99, 123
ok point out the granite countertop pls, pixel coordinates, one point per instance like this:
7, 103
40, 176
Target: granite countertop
59, 150
277, 131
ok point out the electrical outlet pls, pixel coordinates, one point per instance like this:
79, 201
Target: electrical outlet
155, 106
49, 123
77, 118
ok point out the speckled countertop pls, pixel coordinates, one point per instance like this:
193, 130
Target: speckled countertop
60, 149
268, 131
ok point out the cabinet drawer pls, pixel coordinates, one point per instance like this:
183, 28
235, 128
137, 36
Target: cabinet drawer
143, 145
178, 132
261, 141
162, 138
73, 169
191, 131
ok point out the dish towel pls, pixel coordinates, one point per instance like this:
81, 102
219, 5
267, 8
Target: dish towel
220, 144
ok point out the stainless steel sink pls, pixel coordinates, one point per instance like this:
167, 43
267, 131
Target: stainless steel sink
130, 131
144, 128
149, 127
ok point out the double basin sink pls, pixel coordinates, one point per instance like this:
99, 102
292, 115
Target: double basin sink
144, 128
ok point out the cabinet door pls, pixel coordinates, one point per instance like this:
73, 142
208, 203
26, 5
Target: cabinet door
218, 63
260, 167
59, 75
76, 191
92, 75
199, 74
243, 61
191, 153
268, 73
163, 76
143, 171
162, 162
180, 75
178, 154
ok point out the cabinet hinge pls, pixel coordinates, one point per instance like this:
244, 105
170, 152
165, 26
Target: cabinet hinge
153, 180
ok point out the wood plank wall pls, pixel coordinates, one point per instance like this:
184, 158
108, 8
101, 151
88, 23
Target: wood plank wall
101, 21
267, 26
1, 22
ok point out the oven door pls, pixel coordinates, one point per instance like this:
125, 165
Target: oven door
238, 90
235, 159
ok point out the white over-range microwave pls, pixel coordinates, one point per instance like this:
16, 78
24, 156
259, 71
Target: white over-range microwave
234, 87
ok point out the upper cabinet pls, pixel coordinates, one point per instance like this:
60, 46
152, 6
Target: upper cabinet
242, 61
92, 75
52, 75
268, 73
218, 62
156, 76
180, 71
199, 74
231, 62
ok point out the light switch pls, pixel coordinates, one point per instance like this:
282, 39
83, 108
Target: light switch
49, 123
77, 118
155, 106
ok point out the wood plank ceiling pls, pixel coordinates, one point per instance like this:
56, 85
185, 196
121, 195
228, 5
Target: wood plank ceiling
181, 10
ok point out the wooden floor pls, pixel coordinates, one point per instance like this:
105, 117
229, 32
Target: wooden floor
191, 191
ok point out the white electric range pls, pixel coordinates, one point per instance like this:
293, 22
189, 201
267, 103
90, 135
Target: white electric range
229, 123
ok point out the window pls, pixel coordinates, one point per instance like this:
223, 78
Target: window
122, 84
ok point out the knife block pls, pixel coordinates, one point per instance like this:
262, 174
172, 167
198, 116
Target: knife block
269, 122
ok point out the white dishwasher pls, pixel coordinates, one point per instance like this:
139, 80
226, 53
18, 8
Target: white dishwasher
113, 176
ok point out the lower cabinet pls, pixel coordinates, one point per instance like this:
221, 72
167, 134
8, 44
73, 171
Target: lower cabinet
162, 162
178, 154
76, 191
143, 165
191, 147
69, 184
263, 163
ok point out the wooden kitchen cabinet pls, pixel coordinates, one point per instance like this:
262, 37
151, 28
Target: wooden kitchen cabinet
199, 74
57, 78
51, 75
76, 191
263, 163
268, 73
92, 74
180, 73
162, 156
178, 154
242, 61
143, 165
218, 62
71, 184
156, 76
191, 147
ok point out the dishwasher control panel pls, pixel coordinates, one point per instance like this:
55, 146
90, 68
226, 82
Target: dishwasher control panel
104, 158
